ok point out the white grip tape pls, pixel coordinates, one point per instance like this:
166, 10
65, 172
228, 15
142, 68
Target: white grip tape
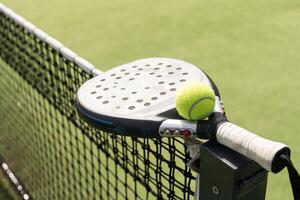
260, 150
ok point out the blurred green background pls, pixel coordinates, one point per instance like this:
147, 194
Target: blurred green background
250, 48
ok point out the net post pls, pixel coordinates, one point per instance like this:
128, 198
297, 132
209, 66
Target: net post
226, 174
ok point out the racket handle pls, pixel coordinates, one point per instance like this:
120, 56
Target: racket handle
265, 152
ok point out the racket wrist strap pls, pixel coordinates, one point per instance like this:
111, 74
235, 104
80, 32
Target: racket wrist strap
293, 175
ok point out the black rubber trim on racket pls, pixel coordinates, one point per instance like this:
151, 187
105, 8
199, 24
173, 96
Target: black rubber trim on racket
214, 86
121, 126
207, 129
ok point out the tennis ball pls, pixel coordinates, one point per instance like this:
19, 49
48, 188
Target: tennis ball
195, 100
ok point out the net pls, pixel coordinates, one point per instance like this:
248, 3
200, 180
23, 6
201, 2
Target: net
51, 151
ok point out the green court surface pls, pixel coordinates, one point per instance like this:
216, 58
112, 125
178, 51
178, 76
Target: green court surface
6, 193
250, 48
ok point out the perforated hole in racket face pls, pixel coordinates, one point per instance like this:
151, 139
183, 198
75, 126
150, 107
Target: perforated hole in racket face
140, 90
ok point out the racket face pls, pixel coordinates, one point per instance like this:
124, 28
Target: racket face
133, 93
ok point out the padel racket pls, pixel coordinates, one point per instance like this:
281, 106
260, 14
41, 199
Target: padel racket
138, 99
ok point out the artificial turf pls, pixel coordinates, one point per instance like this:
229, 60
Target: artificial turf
250, 48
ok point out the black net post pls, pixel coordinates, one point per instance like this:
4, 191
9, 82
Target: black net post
227, 175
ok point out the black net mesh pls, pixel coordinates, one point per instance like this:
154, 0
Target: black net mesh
58, 156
